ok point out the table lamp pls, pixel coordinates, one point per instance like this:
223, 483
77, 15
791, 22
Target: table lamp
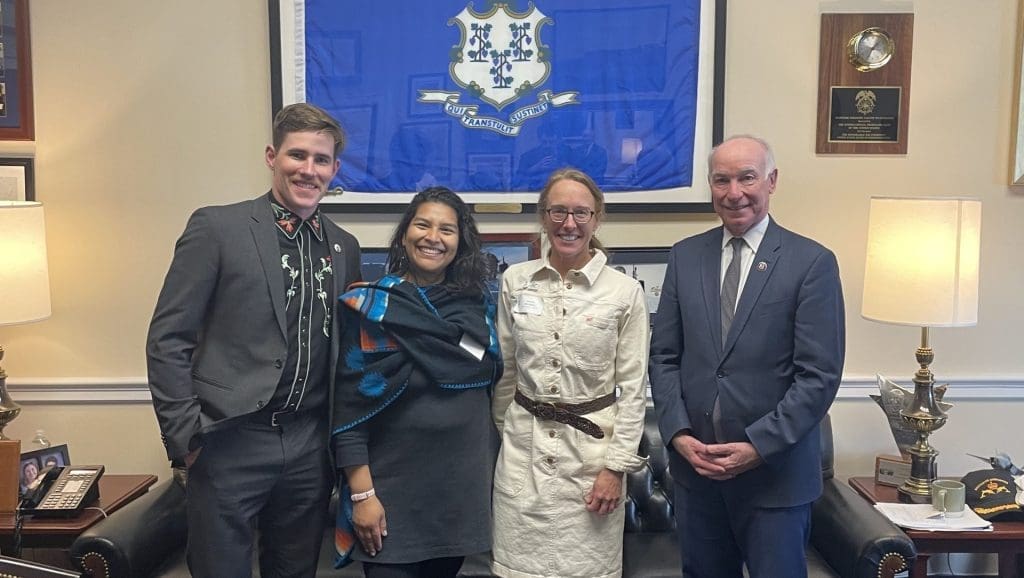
24, 280
922, 270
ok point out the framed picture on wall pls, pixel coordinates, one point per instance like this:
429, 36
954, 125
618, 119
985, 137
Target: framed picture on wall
1017, 152
506, 249
16, 110
645, 264
374, 263
17, 179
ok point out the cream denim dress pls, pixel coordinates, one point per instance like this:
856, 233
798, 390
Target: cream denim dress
569, 341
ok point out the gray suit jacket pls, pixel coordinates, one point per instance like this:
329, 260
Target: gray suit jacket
217, 341
777, 374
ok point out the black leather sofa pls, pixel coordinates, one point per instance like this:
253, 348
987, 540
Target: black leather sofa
849, 539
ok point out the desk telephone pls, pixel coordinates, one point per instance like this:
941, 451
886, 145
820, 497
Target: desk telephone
62, 491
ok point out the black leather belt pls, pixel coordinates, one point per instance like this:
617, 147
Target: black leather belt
568, 413
277, 418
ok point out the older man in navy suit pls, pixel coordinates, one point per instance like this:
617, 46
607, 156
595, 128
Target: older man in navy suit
241, 355
746, 357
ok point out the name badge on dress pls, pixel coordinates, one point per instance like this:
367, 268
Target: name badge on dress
528, 304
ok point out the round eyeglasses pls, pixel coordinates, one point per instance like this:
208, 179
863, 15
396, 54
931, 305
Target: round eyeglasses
560, 214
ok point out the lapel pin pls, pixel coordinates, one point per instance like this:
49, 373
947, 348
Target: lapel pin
337, 248
762, 266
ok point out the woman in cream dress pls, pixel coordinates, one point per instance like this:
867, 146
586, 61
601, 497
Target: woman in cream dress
573, 333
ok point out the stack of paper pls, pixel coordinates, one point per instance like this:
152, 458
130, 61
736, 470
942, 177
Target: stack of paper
924, 517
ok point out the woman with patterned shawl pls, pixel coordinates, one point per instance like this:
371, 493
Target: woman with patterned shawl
412, 431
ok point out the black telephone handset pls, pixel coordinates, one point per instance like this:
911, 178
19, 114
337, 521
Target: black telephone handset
62, 491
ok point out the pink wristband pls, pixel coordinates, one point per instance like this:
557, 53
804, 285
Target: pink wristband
363, 495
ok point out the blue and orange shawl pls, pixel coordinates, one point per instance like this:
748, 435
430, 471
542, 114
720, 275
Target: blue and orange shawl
391, 327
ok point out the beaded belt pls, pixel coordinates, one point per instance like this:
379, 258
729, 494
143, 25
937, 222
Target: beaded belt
568, 413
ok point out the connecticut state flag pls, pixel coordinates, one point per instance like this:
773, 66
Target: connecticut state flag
479, 95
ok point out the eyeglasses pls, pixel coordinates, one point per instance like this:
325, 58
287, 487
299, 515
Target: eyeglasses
560, 214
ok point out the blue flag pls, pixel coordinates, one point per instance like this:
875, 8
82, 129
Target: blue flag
482, 96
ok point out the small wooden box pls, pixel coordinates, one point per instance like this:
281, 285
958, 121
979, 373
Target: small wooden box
891, 470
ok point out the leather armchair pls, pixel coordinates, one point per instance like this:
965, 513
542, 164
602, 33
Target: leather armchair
147, 538
849, 538
144, 538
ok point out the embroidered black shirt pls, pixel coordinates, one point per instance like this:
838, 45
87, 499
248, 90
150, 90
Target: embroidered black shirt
309, 300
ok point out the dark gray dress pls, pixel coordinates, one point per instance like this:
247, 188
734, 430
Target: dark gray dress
431, 454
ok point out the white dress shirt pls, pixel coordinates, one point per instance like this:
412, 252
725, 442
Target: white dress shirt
752, 239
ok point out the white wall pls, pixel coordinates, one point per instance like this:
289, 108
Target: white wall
147, 110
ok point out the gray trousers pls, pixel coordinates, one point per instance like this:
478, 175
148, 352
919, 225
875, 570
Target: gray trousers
257, 479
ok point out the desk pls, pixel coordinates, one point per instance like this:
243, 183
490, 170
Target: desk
1006, 538
116, 490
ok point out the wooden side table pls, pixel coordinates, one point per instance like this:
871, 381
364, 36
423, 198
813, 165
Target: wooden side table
116, 490
1006, 538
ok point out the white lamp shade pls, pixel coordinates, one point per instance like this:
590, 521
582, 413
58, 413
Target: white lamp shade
24, 275
922, 261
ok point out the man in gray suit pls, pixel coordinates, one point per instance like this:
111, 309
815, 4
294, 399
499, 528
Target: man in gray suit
242, 352
745, 362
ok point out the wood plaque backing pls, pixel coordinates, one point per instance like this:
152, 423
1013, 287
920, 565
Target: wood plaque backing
10, 469
835, 71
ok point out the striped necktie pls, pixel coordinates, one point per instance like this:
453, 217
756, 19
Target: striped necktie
730, 286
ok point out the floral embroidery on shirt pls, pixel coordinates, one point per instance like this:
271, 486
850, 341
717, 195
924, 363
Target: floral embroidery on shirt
325, 269
289, 222
293, 274
286, 220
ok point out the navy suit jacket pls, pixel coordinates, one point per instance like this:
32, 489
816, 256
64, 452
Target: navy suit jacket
218, 337
777, 374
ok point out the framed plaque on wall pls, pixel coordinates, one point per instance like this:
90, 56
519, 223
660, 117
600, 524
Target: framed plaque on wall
864, 83
16, 110
1017, 156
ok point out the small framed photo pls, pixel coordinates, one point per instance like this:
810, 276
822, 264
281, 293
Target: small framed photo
17, 179
505, 249
35, 461
374, 263
891, 470
645, 264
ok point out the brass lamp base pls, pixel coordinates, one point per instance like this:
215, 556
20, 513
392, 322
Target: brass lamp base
917, 488
923, 415
8, 408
